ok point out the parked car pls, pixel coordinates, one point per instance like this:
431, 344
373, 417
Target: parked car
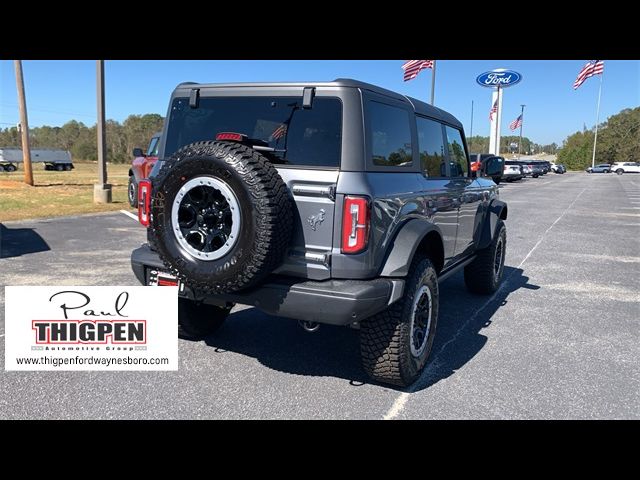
601, 168
558, 168
340, 203
625, 167
512, 171
545, 167
527, 170
141, 167
482, 158
530, 169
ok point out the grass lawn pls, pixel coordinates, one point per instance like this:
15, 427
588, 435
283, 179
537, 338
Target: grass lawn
60, 193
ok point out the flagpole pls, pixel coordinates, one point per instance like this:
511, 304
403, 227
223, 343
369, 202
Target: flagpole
497, 144
471, 132
433, 82
595, 138
521, 122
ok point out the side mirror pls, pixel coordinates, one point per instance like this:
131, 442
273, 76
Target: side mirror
493, 166
137, 152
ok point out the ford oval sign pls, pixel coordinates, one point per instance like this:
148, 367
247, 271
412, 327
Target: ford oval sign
499, 78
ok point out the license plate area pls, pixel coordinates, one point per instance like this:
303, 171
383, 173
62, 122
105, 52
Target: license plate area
158, 278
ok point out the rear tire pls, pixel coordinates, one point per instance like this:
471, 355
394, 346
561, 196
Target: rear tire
59, 168
10, 168
395, 343
484, 274
199, 320
132, 192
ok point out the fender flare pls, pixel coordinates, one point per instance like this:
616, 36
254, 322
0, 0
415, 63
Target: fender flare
134, 173
497, 210
404, 247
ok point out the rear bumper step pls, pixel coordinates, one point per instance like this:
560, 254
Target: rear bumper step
334, 302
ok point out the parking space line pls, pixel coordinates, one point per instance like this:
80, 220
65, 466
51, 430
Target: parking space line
129, 214
402, 399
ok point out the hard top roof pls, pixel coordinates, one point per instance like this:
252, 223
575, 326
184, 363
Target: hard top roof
419, 106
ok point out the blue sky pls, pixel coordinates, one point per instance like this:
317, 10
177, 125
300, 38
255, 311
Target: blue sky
58, 91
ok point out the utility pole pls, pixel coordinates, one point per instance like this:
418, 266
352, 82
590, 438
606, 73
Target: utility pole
101, 190
24, 124
521, 122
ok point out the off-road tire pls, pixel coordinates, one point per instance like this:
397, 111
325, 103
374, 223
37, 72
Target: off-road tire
265, 208
132, 192
199, 320
480, 276
385, 338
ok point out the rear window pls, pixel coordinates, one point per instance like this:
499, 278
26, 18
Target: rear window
301, 137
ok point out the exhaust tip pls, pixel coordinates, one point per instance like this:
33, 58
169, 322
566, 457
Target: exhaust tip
310, 327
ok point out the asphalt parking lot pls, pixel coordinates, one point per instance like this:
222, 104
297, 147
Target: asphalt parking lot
560, 339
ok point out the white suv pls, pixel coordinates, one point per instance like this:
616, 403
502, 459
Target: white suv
625, 167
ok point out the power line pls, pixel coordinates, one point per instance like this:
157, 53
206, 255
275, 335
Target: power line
50, 111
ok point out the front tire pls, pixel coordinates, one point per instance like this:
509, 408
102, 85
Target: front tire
619, 171
395, 343
484, 274
132, 192
199, 320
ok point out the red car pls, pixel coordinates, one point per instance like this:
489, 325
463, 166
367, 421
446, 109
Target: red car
141, 167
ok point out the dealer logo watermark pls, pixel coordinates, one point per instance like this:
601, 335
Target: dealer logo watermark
91, 328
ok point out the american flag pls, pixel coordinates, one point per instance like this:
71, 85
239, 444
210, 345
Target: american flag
279, 132
493, 110
516, 123
413, 67
593, 67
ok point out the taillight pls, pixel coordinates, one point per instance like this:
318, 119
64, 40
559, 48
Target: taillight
355, 224
144, 201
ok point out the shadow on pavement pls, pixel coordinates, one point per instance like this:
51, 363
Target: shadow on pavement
280, 344
463, 316
15, 242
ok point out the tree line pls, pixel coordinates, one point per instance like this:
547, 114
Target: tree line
80, 139
618, 141
478, 144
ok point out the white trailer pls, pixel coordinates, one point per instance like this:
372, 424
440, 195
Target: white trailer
52, 159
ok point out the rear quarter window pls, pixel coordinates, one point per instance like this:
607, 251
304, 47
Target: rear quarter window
390, 131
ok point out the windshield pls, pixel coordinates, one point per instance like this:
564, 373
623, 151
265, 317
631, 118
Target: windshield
298, 136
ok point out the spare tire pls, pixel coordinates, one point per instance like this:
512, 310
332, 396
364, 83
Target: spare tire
221, 216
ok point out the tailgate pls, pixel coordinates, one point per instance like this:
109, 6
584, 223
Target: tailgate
313, 192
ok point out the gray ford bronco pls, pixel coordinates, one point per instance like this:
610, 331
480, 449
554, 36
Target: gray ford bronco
340, 203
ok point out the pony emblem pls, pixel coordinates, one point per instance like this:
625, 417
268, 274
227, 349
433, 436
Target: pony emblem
317, 219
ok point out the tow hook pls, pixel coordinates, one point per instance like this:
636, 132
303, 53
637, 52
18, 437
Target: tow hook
310, 327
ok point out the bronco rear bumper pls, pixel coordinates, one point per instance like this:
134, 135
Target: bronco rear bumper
335, 302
